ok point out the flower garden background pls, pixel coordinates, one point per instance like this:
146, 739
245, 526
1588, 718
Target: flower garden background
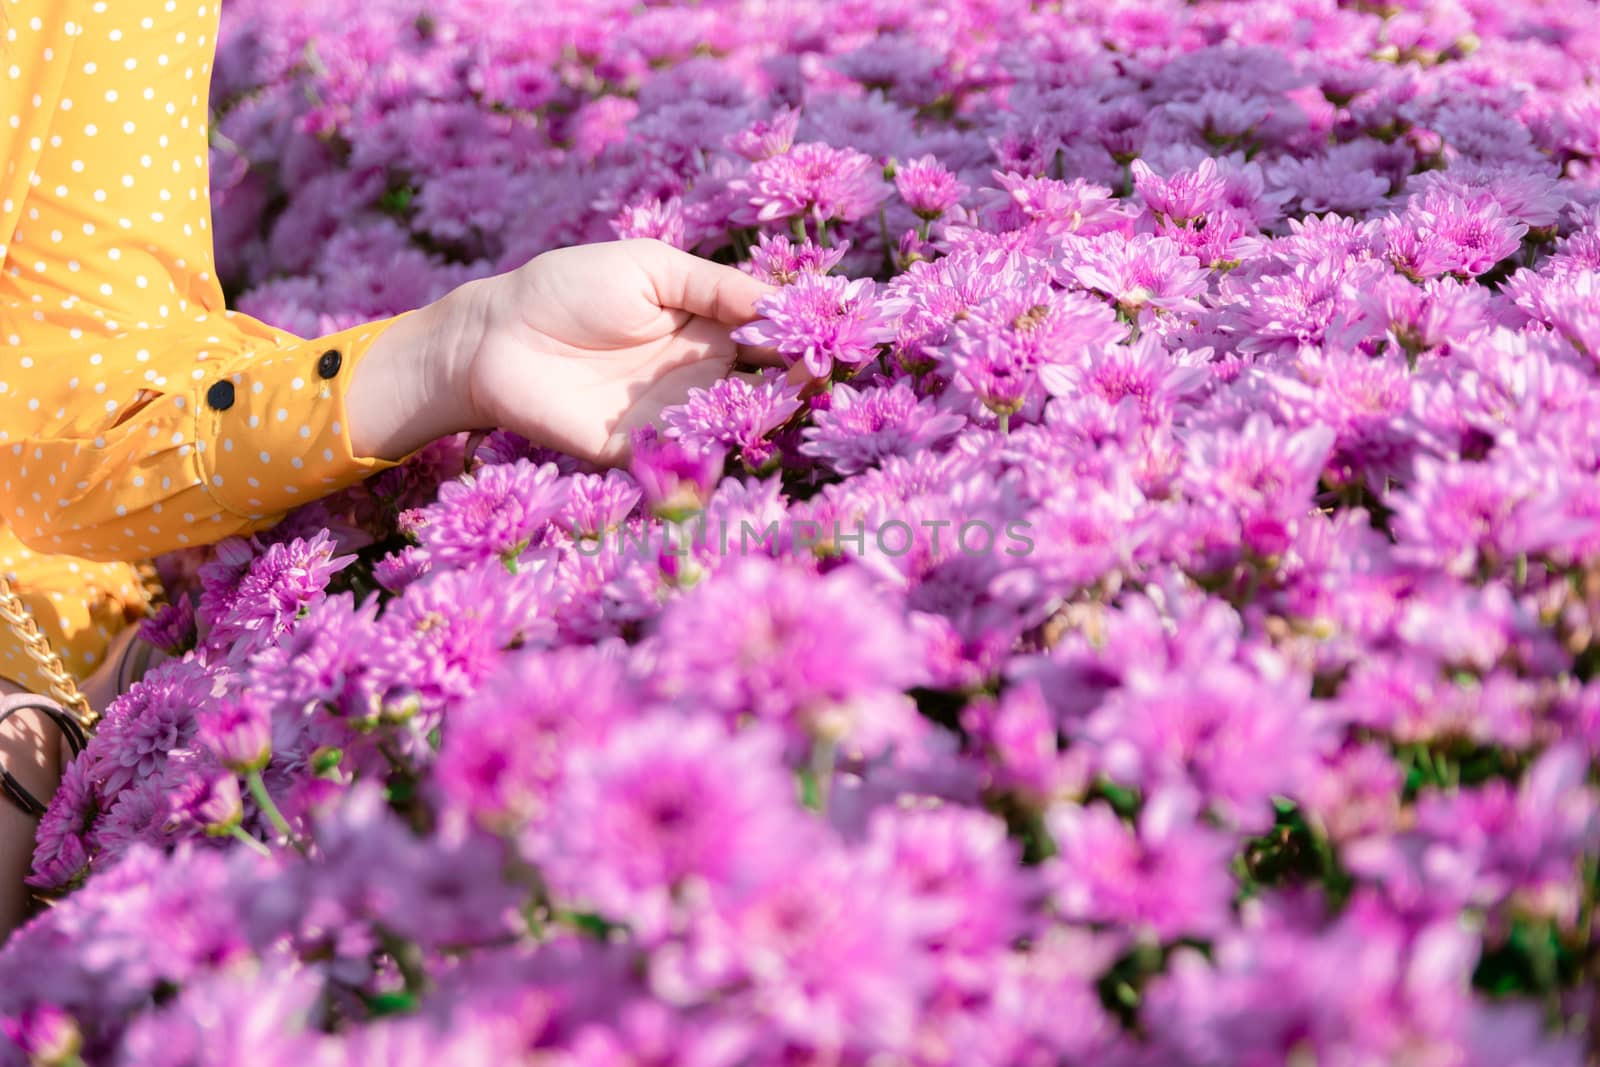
1273, 328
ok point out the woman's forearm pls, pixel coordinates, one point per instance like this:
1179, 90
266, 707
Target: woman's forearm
30, 750
411, 387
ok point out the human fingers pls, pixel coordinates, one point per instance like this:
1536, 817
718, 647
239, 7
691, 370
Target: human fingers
758, 356
698, 286
670, 388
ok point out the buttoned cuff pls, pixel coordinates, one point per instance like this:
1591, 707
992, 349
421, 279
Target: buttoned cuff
271, 429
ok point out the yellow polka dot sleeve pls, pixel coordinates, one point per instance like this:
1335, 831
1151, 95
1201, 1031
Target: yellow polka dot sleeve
137, 413
239, 423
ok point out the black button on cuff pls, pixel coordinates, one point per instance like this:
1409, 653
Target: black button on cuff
220, 396
329, 364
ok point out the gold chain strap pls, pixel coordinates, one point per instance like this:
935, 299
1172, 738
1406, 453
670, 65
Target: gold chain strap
63, 688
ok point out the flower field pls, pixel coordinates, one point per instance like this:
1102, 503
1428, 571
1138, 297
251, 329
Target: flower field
1160, 626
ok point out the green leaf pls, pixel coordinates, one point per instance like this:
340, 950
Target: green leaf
395, 1002
587, 922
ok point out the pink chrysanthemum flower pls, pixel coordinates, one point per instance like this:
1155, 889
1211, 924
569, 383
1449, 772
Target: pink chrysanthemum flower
1265, 475
1465, 516
1143, 372
596, 503
661, 219
675, 477
281, 582
812, 181
1443, 233
494, 513
778, 260
823, 320
1139, 273
1183, 195
766, 138
928, 188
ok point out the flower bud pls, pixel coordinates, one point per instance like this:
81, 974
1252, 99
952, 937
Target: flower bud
48, 1036
238, 732
210, 801
677, 481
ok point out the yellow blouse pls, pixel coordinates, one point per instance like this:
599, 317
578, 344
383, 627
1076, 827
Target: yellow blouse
137, 413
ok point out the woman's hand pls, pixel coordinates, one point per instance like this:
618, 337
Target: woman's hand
573, 350
582, 345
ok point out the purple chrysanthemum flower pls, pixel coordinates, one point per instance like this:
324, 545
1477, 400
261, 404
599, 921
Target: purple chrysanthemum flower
997, 349
238, 731
1465, 516
1442, 233
399, 569
823, 320
821, 952
255, 1012
859, 428
45, 1034
1168, 878
1235, 738
219, 577
507, 746
61, 852
1263, 474
322, 661
145, 725
1021, 746
1143, 372
140, 815
1038, 207
662, 812
1310, 305
281, 582
172, 628
595, 503
654, 218
797, 649
207, 801
958, 877
1335, 181
494, 513
1420, 318
441, 638
738, 414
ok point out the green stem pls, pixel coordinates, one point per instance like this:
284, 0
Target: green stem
408, 961
797, 228
822, 760
1005, 422
269, 807
888, 249
238, 834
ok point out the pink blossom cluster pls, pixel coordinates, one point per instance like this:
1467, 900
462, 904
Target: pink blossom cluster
1264, 340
